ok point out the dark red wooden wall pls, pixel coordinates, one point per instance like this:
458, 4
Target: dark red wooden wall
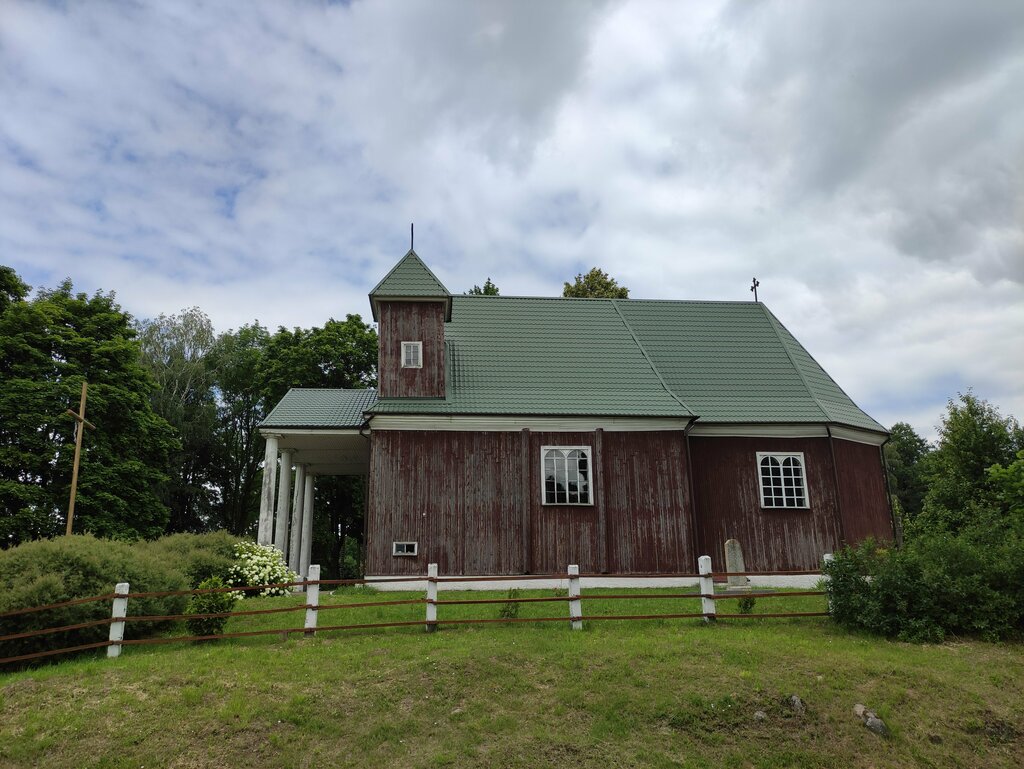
411, 322
473, 503
862, 492
728, 504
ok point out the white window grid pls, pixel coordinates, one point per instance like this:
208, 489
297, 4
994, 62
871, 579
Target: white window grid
783, 479
566, 475
412, 354
404, 548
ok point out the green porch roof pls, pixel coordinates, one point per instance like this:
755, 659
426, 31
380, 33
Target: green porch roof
321, 408
721, 361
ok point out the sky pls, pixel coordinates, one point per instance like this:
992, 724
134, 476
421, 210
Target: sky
263, 160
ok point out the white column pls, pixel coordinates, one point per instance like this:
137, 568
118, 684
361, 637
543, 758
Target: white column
307, 527
707, 587
284, 496
265, 531
119, 612
295, 538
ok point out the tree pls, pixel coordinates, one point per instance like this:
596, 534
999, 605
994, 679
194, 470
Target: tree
489, 289
595, 283
174, 349
12, 287
973, 437
48, 346
903, 455
237, 361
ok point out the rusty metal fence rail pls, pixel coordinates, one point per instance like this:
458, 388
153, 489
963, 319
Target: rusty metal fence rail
312, 607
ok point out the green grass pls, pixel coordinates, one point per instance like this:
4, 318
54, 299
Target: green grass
664, 693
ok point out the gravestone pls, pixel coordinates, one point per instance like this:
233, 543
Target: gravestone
734, 562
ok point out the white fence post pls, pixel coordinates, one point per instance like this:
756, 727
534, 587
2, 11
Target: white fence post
827, 558
707, 587
120, 611
312, 598
431, 625
575, 607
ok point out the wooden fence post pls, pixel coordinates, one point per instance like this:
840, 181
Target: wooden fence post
120, 611
827, 558
575, 607
431, 625
707, 588
312, 598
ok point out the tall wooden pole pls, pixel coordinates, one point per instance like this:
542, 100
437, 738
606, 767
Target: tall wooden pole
79, 429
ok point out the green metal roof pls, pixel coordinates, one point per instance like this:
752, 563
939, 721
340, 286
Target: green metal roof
410, 278
302, 407
721, 361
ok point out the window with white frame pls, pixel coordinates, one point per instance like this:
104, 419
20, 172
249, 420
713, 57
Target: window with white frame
412, 354
566, 475
783, 481
404, 548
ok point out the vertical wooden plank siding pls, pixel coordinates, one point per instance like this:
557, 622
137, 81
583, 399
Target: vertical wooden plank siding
411, 322
443, 489
865, 506
647, 502
560, 534
602, 517
524, 500
728, 503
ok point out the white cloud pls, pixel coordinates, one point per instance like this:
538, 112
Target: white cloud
864, 160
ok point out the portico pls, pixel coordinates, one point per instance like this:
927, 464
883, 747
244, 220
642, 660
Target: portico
297, 454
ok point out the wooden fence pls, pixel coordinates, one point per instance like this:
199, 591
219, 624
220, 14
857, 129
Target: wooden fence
312, 607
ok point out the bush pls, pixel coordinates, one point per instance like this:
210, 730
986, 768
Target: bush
746, 604
510, 609
259, 565
938, 584
210, 603
198, 556
66, 568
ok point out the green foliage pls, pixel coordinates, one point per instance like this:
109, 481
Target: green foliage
259, 565
510, 609
174, 349
210, 603
595, 283
938, 584
198, 556
63, 569
746, 604
12, 288
488, 289
903, 456
48, 346
973, 437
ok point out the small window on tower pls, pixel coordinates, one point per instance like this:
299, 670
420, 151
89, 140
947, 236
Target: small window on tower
412, 354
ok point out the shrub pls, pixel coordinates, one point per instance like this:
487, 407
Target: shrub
210, 603
66, 568
510, 609
259, 565
938, 584
746, 604
198, 556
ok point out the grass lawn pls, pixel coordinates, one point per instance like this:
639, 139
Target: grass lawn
667, 693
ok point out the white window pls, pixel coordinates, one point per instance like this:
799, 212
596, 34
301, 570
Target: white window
404, 548
412, 354
566, 475
783, 482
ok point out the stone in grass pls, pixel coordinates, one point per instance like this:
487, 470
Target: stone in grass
760, 715
797, 705
870, 720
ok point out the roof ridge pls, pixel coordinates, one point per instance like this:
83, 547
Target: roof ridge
775, 323
476, 297
650, 362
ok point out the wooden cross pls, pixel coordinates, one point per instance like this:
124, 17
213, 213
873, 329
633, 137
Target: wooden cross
82, 422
